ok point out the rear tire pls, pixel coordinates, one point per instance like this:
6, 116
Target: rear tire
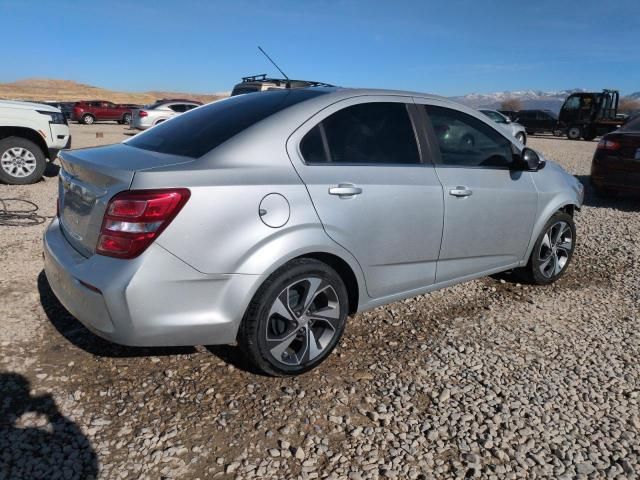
21, 161
126, 118
88, 119
552, 252
296, 318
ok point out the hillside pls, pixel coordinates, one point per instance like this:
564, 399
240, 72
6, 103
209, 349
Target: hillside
40, 89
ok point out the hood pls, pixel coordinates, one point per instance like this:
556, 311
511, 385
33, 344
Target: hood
28, 106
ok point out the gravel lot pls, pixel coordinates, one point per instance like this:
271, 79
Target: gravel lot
490, 379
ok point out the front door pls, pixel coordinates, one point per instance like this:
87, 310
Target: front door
374, 193
489, 207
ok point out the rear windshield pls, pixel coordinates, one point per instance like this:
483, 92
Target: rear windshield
201, 130
242, 89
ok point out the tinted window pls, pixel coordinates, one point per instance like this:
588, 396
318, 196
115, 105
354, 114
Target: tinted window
203, 129
466, 141
312, 146
242, 89
178, 107
372, 133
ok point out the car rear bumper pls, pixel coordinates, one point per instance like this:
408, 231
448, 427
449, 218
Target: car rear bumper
153, 300
615, 174
140, 123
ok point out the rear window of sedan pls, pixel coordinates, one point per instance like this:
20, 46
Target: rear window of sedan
199, 131
633, 125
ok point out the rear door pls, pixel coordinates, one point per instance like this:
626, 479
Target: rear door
489, 207
374, 192
110, 111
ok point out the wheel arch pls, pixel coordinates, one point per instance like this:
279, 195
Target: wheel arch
27, 133
346, 273
566, 206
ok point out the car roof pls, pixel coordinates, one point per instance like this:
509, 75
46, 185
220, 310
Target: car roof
299, 112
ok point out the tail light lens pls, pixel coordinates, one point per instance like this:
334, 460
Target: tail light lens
142, 113
606, 144
135, 218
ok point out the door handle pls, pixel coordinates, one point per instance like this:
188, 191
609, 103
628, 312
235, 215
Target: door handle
345, 190
460, 192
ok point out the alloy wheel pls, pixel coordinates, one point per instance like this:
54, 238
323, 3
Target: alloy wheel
555, 249
18, 162
302, 322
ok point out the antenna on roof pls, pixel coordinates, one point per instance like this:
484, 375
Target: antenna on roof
274, 63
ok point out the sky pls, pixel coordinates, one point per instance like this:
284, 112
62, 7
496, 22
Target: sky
448, 47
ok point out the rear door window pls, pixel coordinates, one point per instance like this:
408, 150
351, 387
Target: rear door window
465, 141
203, 129
178, 107
367, 133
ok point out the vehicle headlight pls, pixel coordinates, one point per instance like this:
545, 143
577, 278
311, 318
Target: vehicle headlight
56, 117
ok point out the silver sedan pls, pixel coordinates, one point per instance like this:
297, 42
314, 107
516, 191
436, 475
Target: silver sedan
150, 115
515, 129
267, 219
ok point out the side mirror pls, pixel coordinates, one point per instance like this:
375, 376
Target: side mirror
528, 160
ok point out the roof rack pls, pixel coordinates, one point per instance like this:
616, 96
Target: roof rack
263, 78
255, 78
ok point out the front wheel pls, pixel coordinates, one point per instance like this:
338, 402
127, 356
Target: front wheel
21, 161
295, 319
521, 137
552, 251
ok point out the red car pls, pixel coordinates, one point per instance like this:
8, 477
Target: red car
89, 112
616, 164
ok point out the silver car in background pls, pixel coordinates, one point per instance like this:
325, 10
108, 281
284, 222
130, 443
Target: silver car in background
150, 115
268, 218
515, 129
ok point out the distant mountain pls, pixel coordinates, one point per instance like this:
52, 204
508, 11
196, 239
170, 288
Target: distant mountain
530, 99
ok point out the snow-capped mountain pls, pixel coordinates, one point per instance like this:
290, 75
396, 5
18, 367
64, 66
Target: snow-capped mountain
529, 99
635, 96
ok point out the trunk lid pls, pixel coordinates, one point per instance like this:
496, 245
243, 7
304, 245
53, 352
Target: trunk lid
89, 178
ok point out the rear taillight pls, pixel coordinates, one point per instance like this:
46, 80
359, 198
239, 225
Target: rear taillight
135, 218
142, 113
606, 144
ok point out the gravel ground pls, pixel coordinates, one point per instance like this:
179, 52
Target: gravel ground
490, 379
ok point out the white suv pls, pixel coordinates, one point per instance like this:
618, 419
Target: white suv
30, 133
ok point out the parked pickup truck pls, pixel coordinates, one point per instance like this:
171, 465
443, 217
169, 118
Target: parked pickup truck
30, 133
89, 112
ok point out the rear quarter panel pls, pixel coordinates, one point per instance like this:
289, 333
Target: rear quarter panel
220, 230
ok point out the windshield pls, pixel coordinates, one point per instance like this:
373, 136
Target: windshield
200, 130
495, 116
